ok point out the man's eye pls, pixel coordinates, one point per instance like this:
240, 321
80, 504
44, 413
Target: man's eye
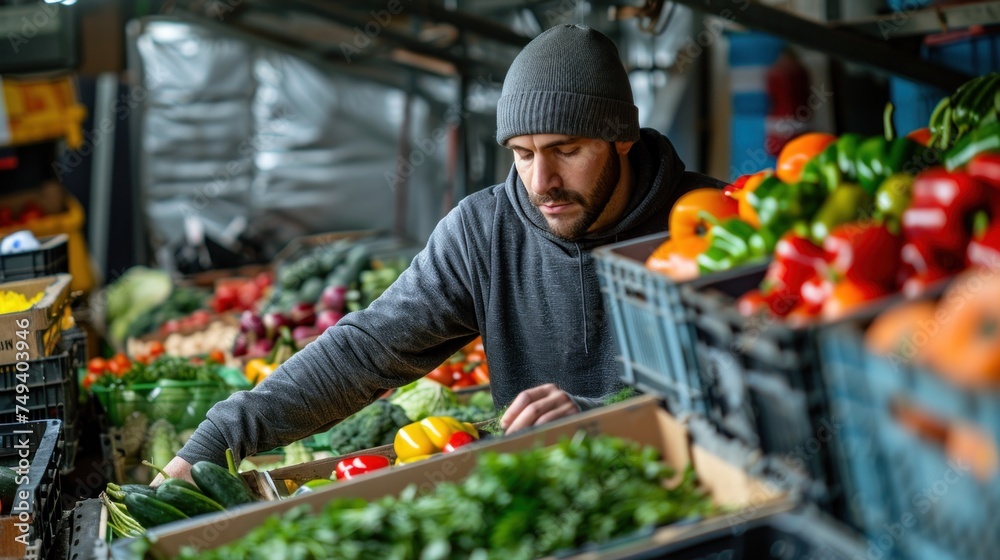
524, 156
569, 153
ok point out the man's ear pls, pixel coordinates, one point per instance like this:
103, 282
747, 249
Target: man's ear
623, 147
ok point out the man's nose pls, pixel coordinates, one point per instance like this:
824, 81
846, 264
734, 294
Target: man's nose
544, 176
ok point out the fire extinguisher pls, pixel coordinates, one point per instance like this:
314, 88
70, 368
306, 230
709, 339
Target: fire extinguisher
788, 91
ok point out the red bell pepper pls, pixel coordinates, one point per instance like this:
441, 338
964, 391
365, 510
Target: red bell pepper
985, 250
737, 185
458, 439
940, 217
864, 253
815, 292
354, 466
796, 260
986, 168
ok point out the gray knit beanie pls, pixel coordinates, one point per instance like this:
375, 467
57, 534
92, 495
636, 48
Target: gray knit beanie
568, 80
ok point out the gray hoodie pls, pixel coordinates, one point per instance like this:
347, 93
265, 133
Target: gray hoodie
490, 267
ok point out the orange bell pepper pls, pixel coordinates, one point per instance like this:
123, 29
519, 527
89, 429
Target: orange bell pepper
686, 218
677, 258
798, 152
745, 211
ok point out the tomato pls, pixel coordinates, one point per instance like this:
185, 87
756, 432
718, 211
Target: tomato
115, 367
466, 381
89, 379
248, 294
123, 363
441, 375
97, 365
263, 280
217, 356
200, 318
480, 375
144, 359
156, 348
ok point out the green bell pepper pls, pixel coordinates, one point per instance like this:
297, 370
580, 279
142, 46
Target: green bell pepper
781, 207
729, 246
845, 204
823, 169
893, 198
847, 153
877, 159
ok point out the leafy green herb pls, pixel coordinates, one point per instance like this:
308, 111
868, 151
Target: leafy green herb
623, 395
517, 505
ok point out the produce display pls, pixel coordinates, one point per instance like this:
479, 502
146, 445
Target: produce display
143, 299
134, 508
240, 294
434, 434
517, 505
373, 426
12, 302
466, 368
218, 335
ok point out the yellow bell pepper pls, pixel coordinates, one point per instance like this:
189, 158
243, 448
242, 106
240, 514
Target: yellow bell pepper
257, 370
428, 436
413, 459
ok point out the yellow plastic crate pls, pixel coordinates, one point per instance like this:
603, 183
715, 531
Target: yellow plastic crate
43, 109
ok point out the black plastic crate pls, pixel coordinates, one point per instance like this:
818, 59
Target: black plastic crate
44, 444
50, 259
88, 531
770, 386
52, 389
788, 536
76, 338
653, 330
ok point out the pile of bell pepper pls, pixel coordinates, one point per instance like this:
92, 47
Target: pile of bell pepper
430, 436
257, 370
849, 219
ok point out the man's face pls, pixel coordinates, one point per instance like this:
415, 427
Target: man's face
569, 179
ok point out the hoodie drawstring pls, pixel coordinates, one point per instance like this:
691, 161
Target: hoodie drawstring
583, 299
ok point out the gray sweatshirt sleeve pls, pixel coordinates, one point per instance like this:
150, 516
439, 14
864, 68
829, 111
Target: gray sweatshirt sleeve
421, 320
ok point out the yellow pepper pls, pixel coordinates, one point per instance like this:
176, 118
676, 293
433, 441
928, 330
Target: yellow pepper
257, 370
428, 436
413, 459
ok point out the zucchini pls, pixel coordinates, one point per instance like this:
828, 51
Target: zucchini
180, 484
217, 483
151, 512
138, 489
189, 503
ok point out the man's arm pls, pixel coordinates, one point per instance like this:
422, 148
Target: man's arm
421, 320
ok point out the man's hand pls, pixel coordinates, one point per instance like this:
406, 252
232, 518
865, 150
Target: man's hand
536, 406
176, 468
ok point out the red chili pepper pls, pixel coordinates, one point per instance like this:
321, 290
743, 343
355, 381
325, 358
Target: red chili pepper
986, 168
350, 468
940, 217
458, 439
866, 253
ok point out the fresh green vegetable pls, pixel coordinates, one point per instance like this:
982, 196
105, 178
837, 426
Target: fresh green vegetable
162, 444
423, 398
182, 302
133, 295
127, 489
512, 506
623, 395
845, 204
180, 484
121, 523
218, 484
373, 426
189, 502
292, 454
151, 512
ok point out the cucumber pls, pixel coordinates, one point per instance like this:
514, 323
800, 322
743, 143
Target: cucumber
218, 484
189, 502
180, 484
151, 512
138, 489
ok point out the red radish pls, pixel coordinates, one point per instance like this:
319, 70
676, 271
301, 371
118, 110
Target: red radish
327, 318
262, 347
273, 323
250, 322
303, 332
240, 347
303, 315
333, 298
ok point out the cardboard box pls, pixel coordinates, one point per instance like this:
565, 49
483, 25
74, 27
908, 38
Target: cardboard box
642, 420
42, 321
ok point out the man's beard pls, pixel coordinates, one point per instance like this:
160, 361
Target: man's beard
593, 205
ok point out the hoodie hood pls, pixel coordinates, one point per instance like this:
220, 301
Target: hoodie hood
658, 174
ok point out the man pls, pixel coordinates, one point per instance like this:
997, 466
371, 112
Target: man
511, 263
